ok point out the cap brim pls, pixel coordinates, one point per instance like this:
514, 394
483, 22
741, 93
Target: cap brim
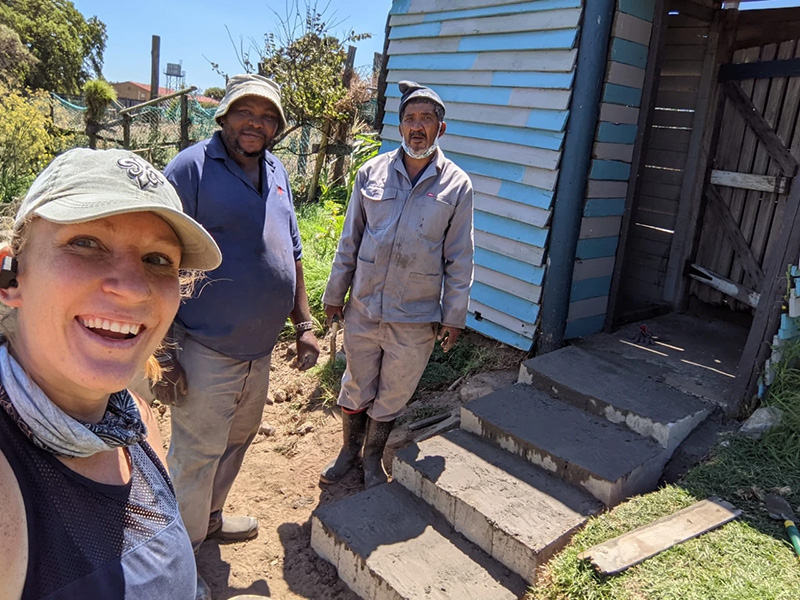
199, 250
228, 101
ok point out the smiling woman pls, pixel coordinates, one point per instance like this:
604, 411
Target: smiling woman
92, 281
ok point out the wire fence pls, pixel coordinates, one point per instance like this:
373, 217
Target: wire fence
152, 130
158, 131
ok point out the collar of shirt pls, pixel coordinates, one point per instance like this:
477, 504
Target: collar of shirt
216, 149
434, 167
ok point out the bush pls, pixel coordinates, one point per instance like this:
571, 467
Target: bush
26, 139
99, 95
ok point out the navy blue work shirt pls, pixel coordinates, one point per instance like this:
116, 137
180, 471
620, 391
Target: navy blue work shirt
243, 304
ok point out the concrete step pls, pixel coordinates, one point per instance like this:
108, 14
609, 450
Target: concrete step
515, 512
387, 544
608, 460
621, 395
687, 370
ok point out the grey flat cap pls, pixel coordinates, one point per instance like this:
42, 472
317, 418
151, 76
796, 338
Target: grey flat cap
411, 90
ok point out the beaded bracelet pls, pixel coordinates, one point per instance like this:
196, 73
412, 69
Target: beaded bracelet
303, 326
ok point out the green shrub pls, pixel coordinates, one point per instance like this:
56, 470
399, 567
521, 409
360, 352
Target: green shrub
99, 95
26, 139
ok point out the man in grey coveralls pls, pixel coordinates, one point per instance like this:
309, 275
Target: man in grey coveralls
406, 256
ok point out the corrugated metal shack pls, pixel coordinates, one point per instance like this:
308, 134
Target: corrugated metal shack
630, 157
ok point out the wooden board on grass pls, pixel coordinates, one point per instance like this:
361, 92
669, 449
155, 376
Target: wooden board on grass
614, 556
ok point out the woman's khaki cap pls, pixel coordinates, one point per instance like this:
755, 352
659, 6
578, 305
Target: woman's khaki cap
83, 185
250, 84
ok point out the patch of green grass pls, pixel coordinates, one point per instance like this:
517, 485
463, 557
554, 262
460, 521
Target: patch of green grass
330, 380
746, 559
784, 393
320, 227
465, 358
737, 561
425, 411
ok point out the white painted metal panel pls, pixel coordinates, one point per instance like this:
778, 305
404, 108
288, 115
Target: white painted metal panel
590, 307
539, 98
562, 61
511, 248
609, 151
625, 75
593, 267
597, 227
512, 210
541, 178
543, 160
512, 285
419, 46
399, 20
431, 6
532, 21
478, 78
502, 319
632, 29
614, 113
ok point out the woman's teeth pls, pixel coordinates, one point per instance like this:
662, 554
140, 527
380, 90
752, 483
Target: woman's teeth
114, 326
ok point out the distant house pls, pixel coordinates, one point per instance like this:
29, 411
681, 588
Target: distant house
130, 93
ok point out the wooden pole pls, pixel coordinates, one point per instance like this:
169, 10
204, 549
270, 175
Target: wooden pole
381, 108
126, 131
155, 58
184, 121
323, 145
343, 128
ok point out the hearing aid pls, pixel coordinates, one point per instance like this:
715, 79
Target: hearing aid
8, 273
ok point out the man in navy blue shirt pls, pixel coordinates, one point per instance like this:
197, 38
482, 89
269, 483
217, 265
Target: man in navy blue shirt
217, 373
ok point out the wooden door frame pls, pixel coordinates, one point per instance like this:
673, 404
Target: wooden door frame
703, 141
730, 30
649, 92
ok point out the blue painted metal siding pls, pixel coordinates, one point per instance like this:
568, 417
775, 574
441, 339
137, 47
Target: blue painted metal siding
523, 56
594, 281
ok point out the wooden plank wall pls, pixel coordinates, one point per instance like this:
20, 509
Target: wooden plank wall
758, 214
505, 70
611, 166
670, 129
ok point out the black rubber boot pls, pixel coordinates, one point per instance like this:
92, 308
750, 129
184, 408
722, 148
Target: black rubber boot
353, 427
374, 444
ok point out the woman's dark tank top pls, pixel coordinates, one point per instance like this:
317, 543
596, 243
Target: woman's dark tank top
99, 541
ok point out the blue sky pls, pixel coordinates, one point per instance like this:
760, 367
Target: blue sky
190, 30
768, 4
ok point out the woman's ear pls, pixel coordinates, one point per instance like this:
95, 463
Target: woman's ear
9, 289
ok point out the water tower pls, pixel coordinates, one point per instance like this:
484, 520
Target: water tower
176, 76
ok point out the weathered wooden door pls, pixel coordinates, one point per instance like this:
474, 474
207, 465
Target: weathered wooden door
752, 172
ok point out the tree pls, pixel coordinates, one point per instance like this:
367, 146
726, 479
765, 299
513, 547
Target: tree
217, 93
69, 48
308, 62
16, 61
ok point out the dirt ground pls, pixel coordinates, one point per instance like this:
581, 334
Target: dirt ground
279, 480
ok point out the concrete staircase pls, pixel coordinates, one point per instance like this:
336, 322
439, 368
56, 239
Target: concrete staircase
474, 512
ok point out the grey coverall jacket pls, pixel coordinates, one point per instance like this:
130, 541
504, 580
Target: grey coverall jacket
406, 253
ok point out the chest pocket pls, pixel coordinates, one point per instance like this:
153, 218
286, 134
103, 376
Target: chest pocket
433, 218
379, 205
